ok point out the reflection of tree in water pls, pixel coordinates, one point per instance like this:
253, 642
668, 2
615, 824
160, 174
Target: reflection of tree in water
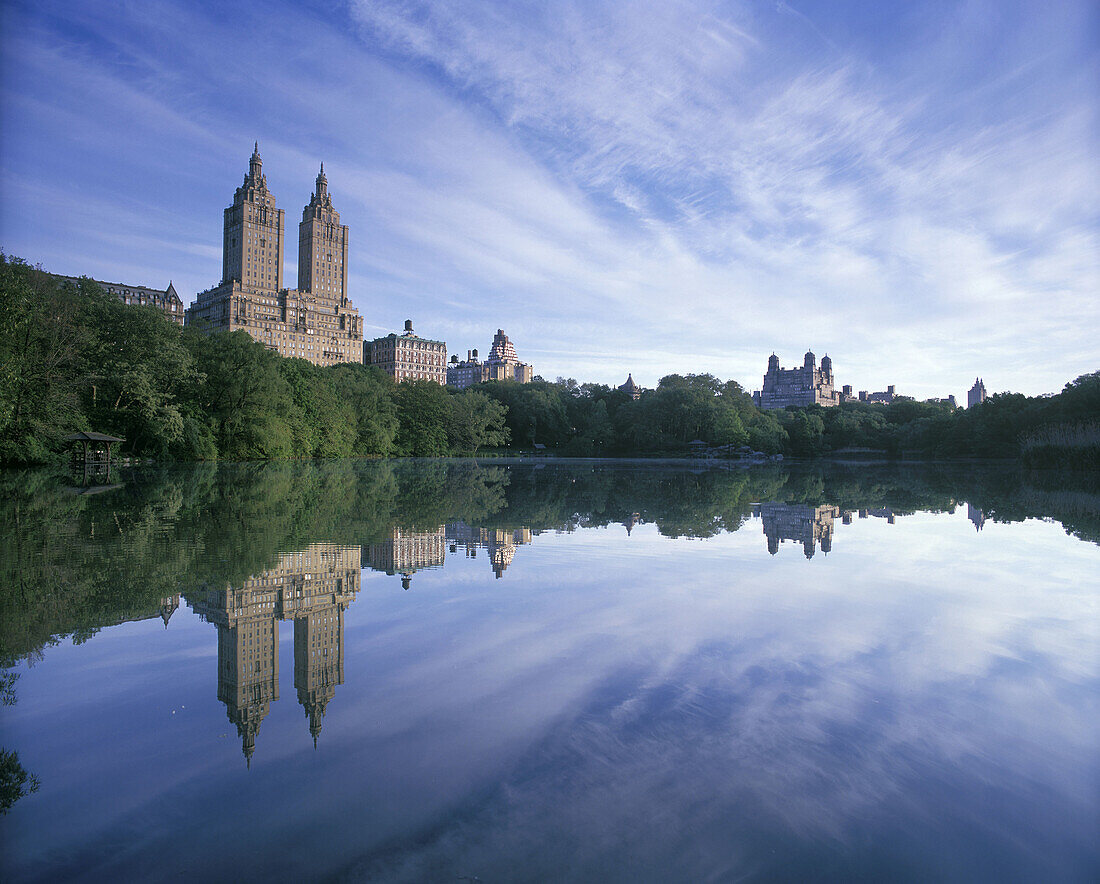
71, 564
15, 782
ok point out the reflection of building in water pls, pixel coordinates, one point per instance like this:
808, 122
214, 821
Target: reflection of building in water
976, 516
809, 525
164, 610
500, 542
313, 588
405, 552
812, 526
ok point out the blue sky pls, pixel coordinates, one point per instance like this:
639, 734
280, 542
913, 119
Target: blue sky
644, 187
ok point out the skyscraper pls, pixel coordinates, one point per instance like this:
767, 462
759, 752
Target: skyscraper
976, 396
316, 321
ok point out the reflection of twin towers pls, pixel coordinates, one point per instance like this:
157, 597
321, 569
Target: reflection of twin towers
313, 588
812, 526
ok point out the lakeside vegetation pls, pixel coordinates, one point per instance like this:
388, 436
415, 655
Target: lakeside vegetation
75, 358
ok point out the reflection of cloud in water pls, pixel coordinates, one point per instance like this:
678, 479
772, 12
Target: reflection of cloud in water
840, 730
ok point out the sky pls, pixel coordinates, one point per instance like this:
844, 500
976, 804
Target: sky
644, 187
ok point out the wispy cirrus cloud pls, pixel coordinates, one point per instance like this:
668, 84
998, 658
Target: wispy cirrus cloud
624, 187
791, 169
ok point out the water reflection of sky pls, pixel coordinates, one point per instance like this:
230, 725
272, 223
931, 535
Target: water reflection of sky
918, 704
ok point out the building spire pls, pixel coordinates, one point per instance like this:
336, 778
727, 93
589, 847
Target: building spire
255, 164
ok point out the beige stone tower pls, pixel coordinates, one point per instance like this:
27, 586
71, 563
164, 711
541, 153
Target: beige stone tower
252, 248
318, 660
323, 246
248, 672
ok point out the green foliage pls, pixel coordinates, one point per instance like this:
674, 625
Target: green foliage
476, 421
423, 412
134, 364
245, 399
41, 338
73, 358
370, 393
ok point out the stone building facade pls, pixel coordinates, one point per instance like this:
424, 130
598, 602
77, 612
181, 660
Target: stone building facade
502, 365
461, 375
808, 385
976, 395
165, 300
316, 321
408, 357
312, 587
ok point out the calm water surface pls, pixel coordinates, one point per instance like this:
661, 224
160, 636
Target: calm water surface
451, 671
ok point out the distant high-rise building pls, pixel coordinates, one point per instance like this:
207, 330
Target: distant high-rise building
976, 396
470, 371
812, 526
316, 321
502, 365
883, 397
408, 357
322, 245
808, 385
975, 515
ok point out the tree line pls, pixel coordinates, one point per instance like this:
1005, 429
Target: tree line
75, 358
593, 419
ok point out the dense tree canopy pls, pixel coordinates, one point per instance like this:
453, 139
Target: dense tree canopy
74, 358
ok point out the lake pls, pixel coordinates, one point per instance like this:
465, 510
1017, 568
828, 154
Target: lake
551, 671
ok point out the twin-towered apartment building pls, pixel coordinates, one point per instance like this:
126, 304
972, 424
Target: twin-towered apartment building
316, 321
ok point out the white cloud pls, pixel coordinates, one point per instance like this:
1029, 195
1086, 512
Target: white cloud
676, 187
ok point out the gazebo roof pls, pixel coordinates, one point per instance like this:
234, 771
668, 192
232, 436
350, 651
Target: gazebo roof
92, 437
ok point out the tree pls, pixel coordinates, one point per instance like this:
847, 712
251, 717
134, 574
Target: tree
476, 420
41, 338
15, 782
135, 364
370, 392
242, 395
423, 411
728, 429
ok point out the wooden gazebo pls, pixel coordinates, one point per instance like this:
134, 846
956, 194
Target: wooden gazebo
96, 447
